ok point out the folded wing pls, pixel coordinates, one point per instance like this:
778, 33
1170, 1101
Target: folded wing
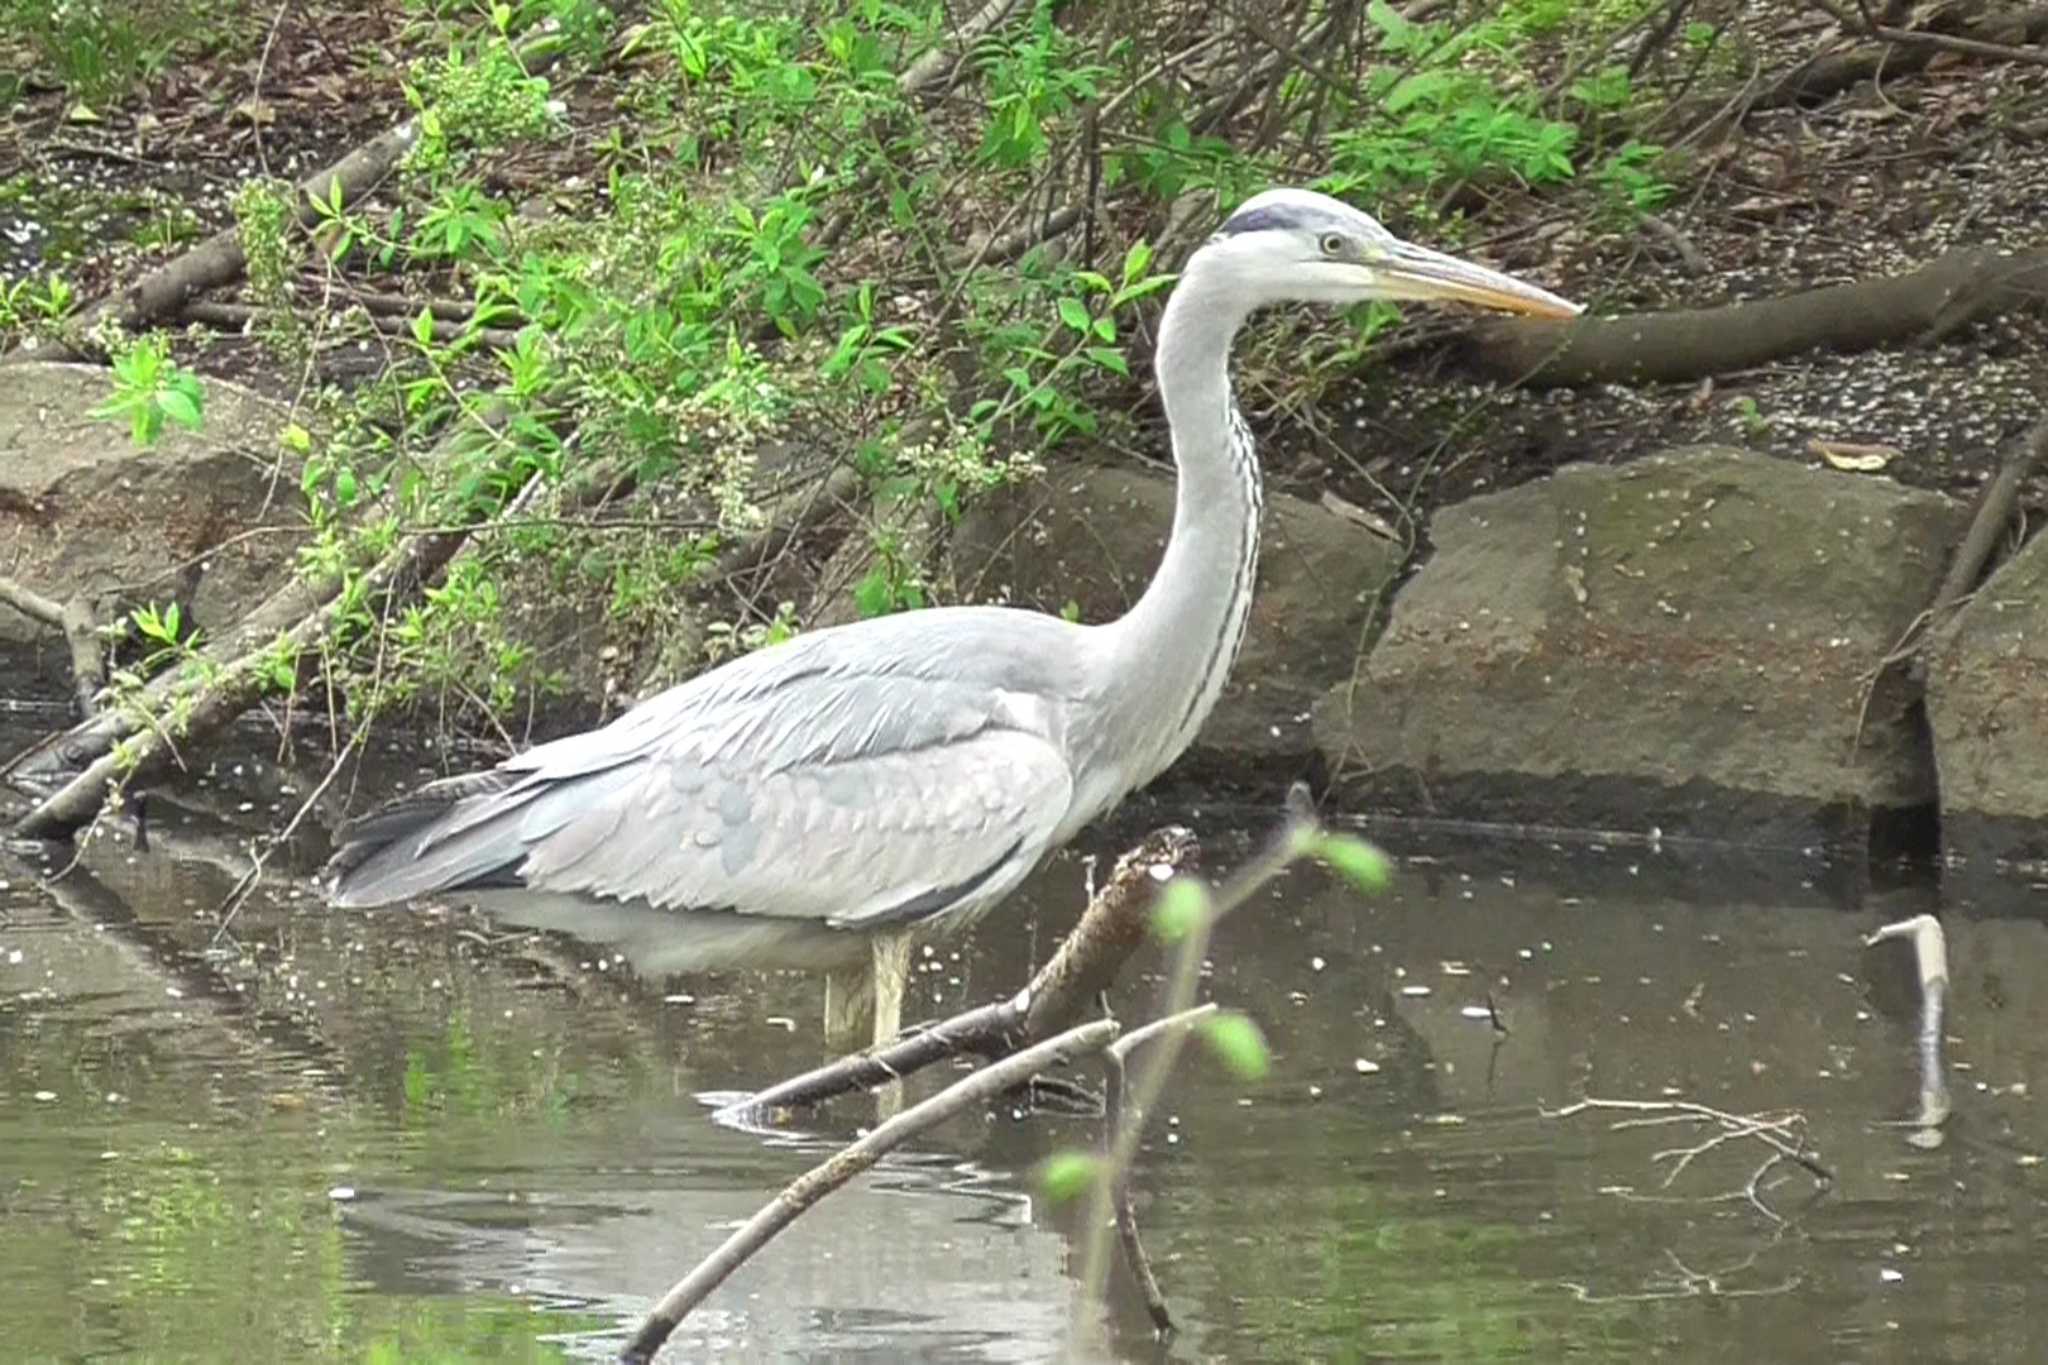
849, 798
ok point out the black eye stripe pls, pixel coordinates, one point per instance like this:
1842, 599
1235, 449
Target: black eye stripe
1258, 220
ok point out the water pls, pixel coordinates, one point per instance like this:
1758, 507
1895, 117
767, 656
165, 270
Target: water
402, 1137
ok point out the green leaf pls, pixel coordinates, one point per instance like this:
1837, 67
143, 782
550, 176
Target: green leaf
1238, 1044
1063, 1175
873, 595
1152, 284
1364, 866
1423, 85
1183, 907
179, 407
1074, 314
423, 327
1109, 358
1388, 20
1135, 261
296, 438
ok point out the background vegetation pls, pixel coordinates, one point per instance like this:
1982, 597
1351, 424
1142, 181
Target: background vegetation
738, 307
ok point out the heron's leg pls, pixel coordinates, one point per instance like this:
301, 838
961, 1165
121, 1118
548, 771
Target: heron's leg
891, 972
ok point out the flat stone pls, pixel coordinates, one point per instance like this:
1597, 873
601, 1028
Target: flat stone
1987, 704
1681, 644
83, 510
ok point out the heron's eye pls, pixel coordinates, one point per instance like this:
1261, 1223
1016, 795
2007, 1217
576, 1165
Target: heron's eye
1333, 245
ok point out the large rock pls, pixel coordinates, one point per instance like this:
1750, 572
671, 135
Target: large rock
1089, 538
1987, 703
82, 510
1679, 644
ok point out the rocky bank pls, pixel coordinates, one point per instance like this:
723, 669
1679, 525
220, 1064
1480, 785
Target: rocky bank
1684, 645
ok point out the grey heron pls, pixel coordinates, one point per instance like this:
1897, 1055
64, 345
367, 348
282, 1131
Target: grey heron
815, 802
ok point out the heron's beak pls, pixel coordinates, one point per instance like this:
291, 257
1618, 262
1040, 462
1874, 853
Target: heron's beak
1419, 273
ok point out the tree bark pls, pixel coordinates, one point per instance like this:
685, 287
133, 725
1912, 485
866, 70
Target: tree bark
1930, 304
1905, 52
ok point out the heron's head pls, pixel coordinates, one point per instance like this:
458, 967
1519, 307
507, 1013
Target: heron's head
1293, 244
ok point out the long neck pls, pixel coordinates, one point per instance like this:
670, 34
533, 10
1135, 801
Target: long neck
1171, 653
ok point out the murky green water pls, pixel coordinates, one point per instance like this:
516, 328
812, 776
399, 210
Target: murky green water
399, 1137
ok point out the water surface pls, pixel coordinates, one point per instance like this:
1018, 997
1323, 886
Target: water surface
404, 1136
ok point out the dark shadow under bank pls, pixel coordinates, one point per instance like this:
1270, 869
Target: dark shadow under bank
1607, 809
32, 674
1973, 856
1887, 864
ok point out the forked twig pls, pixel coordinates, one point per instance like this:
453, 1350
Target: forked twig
1781, 1134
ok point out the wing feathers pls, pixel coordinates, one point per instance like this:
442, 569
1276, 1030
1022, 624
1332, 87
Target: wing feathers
851, 800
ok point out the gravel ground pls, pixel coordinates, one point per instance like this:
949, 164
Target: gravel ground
1870, 184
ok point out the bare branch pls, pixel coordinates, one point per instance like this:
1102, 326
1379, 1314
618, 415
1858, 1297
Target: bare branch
808, 1188
1113, 1126
1087, 961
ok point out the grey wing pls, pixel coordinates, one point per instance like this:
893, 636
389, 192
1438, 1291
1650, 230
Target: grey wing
894, 836
845, 799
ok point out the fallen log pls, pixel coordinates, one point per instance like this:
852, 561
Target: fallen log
2000, 35
220, 259
141, 746
239, 317
1926, 306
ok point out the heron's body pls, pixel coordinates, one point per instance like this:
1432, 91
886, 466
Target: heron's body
786, 807
710, 798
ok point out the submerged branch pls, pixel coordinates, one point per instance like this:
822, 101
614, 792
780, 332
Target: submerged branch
1780, 1133
812, 1186
1930, 959
1115, 923
1114, 1118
